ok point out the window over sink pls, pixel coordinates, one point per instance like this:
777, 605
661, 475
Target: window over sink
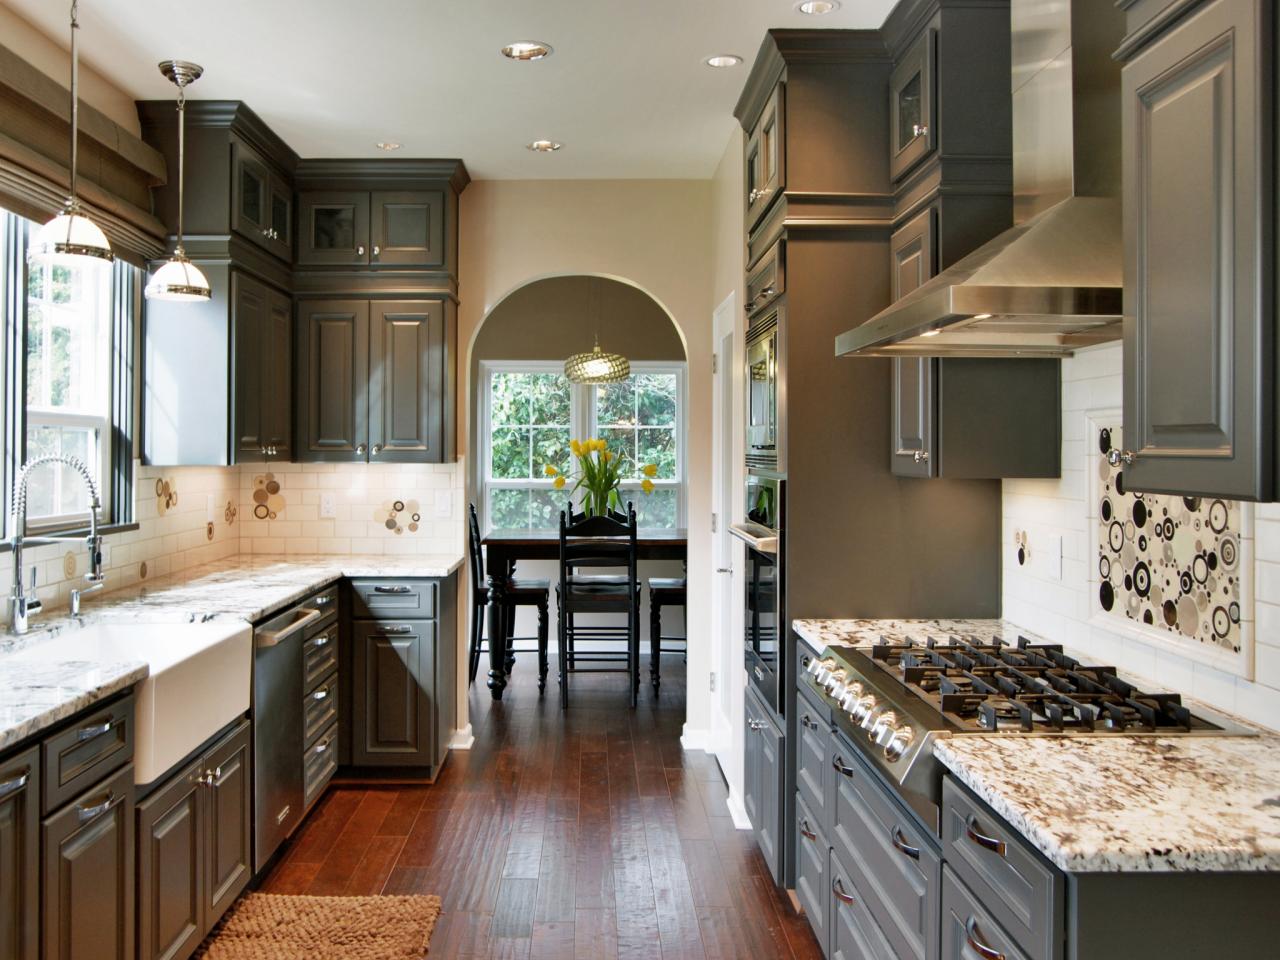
530, 412
71, 385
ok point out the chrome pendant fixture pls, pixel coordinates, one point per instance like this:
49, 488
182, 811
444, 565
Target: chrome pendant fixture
178, 279
71, 236
597, 367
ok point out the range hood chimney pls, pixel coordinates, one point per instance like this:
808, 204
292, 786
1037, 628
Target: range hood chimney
1053, 282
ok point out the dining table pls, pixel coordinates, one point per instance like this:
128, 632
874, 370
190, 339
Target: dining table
504, 548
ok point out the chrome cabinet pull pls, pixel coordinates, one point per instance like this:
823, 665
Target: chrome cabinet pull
900, 842
320, 694
395, 589
360, 449
756, 724
838, 889
13, 785
806, 831
838, 763
376, 250
87, 812
211, 777
993, 844
324, 601
980, 946
919, 129
94, 730
321, 641
809, 722
321, 747
759, 673
376, 449
1120, 458
360, 250
393, 631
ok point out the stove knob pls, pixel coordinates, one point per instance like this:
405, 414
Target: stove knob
898, 743
885, 726
852, 693
823, 670
862, 709
834, 681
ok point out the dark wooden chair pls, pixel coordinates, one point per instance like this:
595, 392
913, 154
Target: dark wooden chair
664, 592
594, 544
519, 593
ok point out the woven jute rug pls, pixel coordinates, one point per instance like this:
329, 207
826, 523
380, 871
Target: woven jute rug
268, 926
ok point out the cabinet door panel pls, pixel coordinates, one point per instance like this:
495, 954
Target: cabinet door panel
813, 868
20, 856
768, 831
230, 811
751, 800
394, 685
170, 874
913, 261
277, 375
912, 133
88, 874
407, 229
249, 321
854, 932
406, 381
250, 195
333, 229
333, 404
1198, 329
767, 157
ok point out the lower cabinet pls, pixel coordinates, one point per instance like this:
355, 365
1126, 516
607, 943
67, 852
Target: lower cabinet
88, 874
967, 929
813, 873
854, 932
193, 849
20, 856
763, 781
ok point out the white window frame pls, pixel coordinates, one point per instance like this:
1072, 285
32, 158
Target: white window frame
582, 423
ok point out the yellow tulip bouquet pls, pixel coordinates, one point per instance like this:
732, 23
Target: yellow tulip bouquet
600, 473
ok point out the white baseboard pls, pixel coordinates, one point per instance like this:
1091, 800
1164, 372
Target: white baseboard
737, 811
695, 738
462, 738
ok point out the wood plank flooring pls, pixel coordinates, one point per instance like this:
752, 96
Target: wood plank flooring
590, 834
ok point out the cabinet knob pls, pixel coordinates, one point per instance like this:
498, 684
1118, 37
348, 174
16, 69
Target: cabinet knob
376, 449
1119, 458
376, 250
751, 197
360, 250
360, 449
919, 129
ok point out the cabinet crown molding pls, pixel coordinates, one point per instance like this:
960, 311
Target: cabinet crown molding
377, 172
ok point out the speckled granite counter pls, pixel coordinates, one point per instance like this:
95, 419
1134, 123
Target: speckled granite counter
862, 633
35, 696
1132, 803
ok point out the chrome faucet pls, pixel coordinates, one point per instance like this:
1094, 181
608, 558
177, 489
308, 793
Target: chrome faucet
21, 606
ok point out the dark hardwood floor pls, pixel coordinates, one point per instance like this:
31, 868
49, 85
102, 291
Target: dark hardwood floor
590, 834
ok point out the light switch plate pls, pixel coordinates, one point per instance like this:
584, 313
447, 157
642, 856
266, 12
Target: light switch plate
444, 506
327, 510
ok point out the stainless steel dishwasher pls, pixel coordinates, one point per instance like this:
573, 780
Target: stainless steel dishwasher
278, 727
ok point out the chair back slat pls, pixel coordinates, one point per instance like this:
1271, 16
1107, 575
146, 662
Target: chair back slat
474, 554
599, 542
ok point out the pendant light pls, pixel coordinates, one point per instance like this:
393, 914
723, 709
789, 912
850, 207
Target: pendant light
178, 279
597, 366
71, 237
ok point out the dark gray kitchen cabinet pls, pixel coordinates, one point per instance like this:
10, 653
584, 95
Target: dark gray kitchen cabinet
88, 874
1199, 317
854, 933
766, 157
333, 380
912, 251
763, 781
193, 849
813, 873
375, 380
912, 131
394, 685
20, 856
261, 202
968, 930
262, 324
396, 228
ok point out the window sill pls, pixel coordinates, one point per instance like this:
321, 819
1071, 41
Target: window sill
106, 530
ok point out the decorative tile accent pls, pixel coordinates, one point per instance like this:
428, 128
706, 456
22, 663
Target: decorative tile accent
268, 498
231, 512
399, 515
1165, 561
166, 495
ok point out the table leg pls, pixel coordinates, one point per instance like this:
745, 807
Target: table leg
498, 580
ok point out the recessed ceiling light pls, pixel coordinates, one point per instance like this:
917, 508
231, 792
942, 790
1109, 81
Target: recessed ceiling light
388, 145
544, 146
527, 50
816, 8
721, 60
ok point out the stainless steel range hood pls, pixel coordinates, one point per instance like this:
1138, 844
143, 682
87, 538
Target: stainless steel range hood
1054, 282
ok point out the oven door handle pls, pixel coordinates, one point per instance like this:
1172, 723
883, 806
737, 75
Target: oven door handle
756, 536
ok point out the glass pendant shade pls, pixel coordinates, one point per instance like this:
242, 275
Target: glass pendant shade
597, 367
67, 237
178, 279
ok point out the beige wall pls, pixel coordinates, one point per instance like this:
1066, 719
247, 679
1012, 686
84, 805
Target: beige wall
654, 234
53, 58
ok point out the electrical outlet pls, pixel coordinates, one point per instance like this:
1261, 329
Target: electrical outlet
444, 506
327, 510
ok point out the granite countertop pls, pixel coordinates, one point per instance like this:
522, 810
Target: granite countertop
35, 696
1107, 803
251, 587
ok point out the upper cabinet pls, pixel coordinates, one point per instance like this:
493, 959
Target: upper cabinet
261, 202
400, 228
912, 134
1199, 323
766, 157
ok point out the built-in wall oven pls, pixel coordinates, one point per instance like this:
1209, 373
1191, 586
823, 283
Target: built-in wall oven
763, 364
762, 532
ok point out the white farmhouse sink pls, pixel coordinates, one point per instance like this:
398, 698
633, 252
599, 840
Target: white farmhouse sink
199, 680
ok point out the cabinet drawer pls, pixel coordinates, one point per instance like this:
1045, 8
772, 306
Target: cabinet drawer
96, 745
1022, 891
400, 598
326, 601
768, 280
813, 754
967, 929
320, 709
813, 877
890, 857
319, 657
855, 935
319, 763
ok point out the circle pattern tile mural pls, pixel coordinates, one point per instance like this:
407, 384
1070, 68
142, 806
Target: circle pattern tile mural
1170, 562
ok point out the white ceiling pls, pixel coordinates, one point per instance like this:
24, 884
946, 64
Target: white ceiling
626, 90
